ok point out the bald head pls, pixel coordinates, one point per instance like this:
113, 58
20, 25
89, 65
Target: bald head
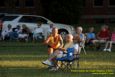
69, 37
79, 29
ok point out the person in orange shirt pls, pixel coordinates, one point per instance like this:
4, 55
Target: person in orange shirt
54, 41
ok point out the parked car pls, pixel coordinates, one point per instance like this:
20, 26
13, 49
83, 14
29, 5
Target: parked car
31, 22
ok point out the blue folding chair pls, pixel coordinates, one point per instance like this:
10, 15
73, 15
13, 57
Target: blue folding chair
67, 60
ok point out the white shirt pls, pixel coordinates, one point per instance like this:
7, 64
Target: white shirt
38, 30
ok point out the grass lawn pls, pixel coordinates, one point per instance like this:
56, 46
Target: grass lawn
19, 59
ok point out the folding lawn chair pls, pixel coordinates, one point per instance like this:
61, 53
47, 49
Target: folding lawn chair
82, 48
67, 60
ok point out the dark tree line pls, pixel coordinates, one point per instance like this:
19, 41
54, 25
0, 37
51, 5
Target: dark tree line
65, 11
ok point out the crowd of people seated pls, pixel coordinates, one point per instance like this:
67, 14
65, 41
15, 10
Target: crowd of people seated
23, 33
88, 38
77, 41
54, 41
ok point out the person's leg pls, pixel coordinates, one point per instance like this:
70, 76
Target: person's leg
98, 44
111, 42
25, 37
56, 64
3, 35
13, 35
77, 49
0, 34
34, 37
106, 46
51, 60
50, 51
110, 46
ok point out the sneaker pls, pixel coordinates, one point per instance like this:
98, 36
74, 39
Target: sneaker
109, 50
53, 69
47, 62
105, 50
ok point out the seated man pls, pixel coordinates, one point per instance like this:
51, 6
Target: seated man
6, 32
23, 36
103, 36
15, 32
59, 52
38, 32
79, 38
90, 37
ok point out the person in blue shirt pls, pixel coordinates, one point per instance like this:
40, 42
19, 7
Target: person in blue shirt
90, 37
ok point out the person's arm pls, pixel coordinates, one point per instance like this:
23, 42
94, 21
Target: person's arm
87, 38
47, 40
84, 38
77, 38
62, 49
61, 42
98, 35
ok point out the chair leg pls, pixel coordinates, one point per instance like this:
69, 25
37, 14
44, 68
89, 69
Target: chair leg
84, 50
77, 59
78, 63
68, 66
62, 64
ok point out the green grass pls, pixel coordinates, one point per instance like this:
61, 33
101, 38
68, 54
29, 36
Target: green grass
19, 59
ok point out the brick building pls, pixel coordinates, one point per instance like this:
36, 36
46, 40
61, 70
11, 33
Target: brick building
93, 11
98, 11
21, 6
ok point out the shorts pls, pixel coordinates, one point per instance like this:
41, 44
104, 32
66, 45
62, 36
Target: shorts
49, 46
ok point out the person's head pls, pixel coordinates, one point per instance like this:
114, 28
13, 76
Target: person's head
39, 23
9, 26
91, 29
69, 38
106, 26
24, 26
79, 30
51, 25
103, 28
55, 31
18, 27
